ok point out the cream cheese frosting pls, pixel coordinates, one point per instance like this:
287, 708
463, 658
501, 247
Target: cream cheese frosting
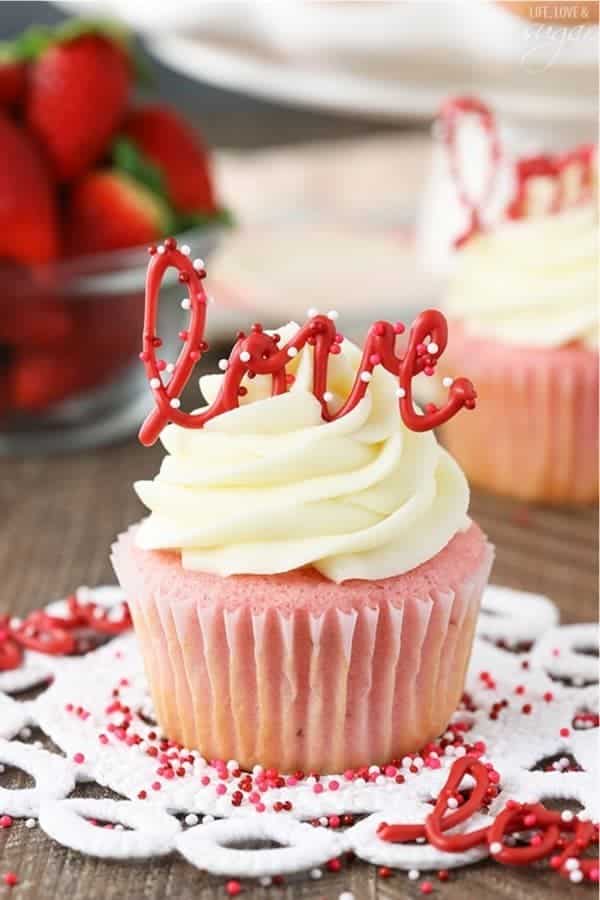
532, 282
270, 487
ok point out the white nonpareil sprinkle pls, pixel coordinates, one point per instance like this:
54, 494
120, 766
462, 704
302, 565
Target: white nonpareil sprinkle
495, 847
186, 303
223, 364
245, 356
576, 876
175, 402
206, 820
155, 383
160, 249
414, 874
432, 347
315, 874
30, 823
191, 819
346, 895
265, 881
170, 367
327, 396
312, 312
292, 351
452, 803
400, 393
447, 381
365, 376
186, 249
333, 314
571, 864
198, 264
567, 816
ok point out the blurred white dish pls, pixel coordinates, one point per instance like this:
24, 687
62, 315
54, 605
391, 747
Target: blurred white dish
384, 59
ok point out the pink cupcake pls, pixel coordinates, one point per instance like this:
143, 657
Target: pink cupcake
523, 303
306, 587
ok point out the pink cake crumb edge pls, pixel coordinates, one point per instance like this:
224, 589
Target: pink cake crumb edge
161, 572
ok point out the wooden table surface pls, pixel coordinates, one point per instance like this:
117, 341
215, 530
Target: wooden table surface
59, 518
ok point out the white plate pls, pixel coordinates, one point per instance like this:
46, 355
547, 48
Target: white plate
383, 59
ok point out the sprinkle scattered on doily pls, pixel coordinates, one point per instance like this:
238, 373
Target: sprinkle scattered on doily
527, 718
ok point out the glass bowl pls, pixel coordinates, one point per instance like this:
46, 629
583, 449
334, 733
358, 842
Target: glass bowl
70, 334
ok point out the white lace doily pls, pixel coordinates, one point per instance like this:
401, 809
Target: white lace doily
532, 715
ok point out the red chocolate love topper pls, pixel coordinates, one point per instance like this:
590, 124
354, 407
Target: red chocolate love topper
259, 353
452, 115
514, 818
11, 653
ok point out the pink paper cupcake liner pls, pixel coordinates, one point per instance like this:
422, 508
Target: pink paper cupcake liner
295, 672
534, 433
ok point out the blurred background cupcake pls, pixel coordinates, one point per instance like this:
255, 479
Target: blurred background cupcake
523, 298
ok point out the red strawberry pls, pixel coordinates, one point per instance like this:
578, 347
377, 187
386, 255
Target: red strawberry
168, 141
77, 99
28, 224
41, 378
109, 210
13, 79
35, 321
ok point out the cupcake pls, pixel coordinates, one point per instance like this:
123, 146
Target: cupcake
523, 307
306, 586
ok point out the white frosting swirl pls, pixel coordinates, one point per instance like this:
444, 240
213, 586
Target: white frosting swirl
270, 487
532, 282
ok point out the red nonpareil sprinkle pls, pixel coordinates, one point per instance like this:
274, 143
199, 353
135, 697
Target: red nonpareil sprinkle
443, 875
334, 865
426, 887
142, 795
548, 696
156, 785
564, 732
233, 888
5, 821
384, 872
78, 758
526, 709
10, 879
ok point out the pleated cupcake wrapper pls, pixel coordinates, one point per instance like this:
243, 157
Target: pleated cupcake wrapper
534, 433
296, 690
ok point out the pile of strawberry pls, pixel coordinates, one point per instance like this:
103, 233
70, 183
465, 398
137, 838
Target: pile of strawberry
84, 170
